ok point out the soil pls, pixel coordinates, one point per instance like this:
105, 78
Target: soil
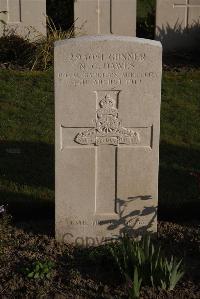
90, 272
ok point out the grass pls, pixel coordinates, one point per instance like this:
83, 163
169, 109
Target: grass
27, 106
180, 138
27, 125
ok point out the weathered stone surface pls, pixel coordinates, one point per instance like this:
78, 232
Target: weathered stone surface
24, 17
105, 17
178, 23
107, 100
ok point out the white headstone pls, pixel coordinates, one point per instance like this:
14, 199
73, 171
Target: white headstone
105, 17
178, 23
107, 101
24, 17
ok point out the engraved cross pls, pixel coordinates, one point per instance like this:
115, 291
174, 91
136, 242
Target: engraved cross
104, 16
187, 6
105, 139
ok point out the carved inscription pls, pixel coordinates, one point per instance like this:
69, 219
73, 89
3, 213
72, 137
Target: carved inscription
85, 222
108, 129
98, 69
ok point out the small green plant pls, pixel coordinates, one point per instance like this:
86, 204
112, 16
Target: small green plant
39, 270
142, 264
134, 285
172, 273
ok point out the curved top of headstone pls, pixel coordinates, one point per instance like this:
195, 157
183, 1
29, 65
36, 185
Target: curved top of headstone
110, 38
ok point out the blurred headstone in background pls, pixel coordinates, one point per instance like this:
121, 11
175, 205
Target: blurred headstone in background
178, 24
26, 18
105, 17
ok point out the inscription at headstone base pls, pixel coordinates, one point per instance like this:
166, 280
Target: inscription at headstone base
105, 17
107, 101
178, 23
26, 18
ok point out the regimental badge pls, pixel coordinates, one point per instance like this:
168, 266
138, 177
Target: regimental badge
108, 127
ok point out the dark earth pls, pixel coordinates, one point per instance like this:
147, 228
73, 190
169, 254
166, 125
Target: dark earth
89, 272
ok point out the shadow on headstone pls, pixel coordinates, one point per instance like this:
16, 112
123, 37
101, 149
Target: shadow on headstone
128, 222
